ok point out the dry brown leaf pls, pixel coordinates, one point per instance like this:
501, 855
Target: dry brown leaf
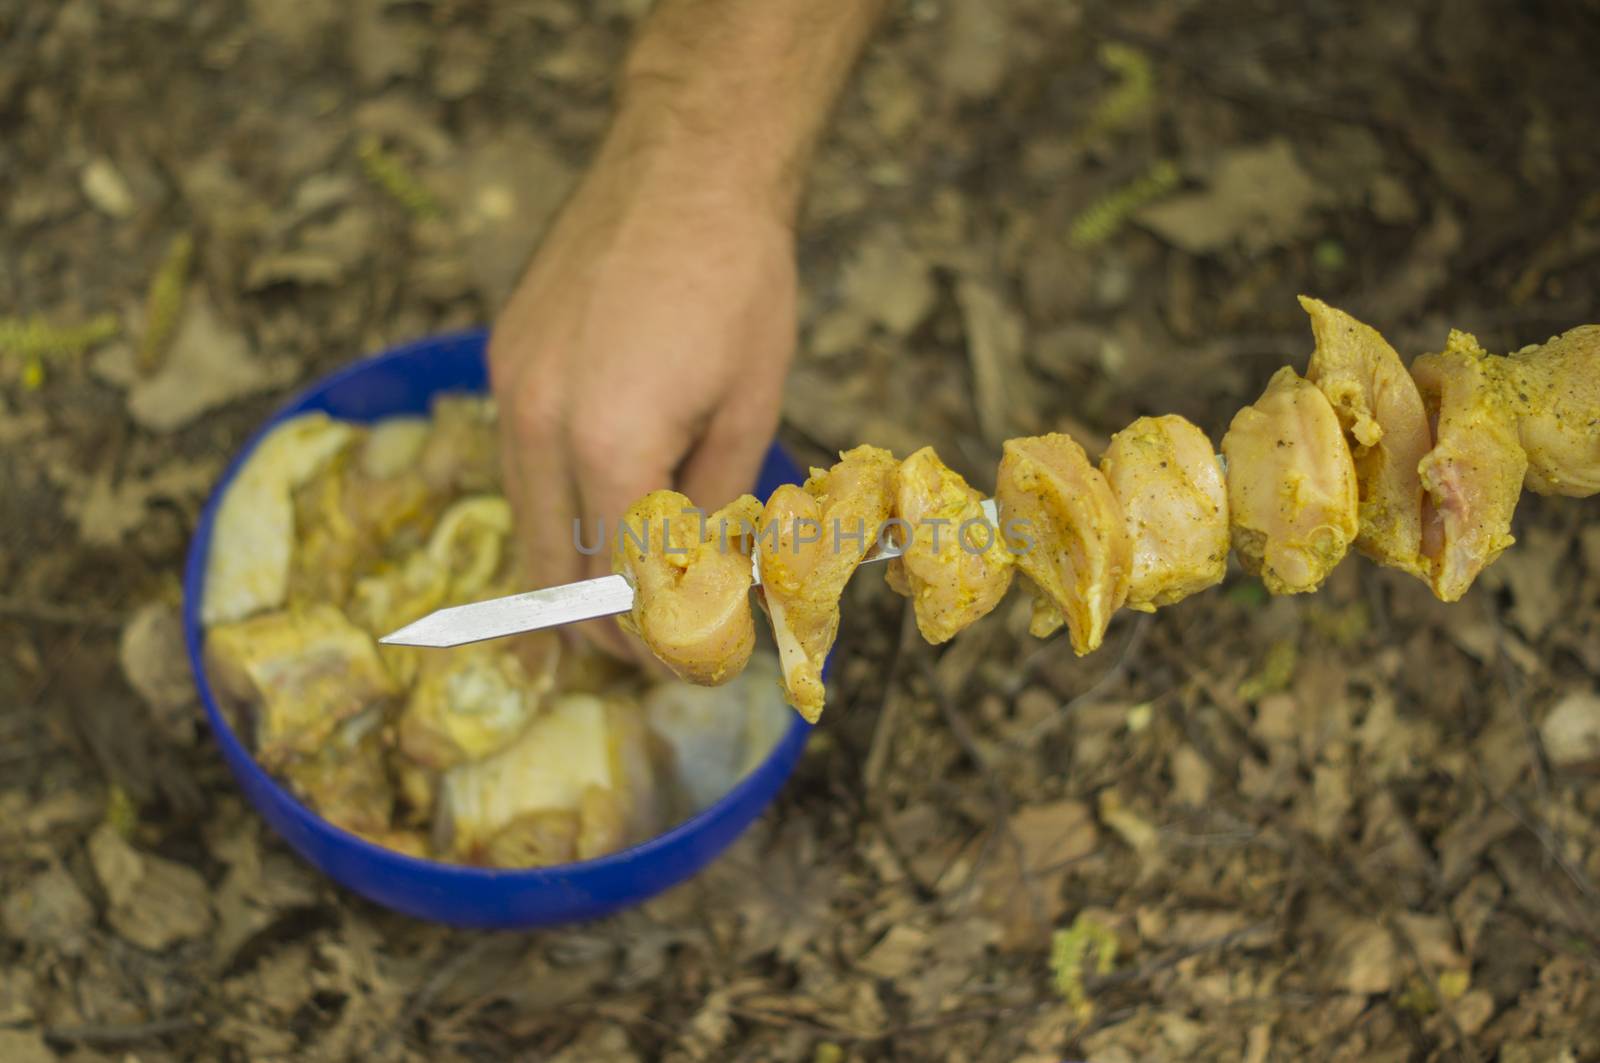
297, 23
104, 186
17, 988
49, 911
382, 47
976, 45
1537, 574
505, 190
897, 953
1139, 833
1259, 196
155, 661
155, 902
106, 511
321, 254
1571, 731
258, 887
1361, 957
24, 1046
887, 282
598, 1041
1191, 776
1434, 939
1020, 883
995, 338
209, 365
893, 94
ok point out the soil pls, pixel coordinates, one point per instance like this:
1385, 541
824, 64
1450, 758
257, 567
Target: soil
1356, 825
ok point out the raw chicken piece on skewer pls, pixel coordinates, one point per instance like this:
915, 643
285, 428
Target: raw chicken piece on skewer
1474, 473
1421, 471
1291, 486
1165, 475
812, 538
1556, 391
956, 567
1062, 520
691, 580
1381, 412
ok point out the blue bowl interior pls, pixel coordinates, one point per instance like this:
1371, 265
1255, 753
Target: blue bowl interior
404, 381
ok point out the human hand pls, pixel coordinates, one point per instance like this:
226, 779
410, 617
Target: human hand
646, 347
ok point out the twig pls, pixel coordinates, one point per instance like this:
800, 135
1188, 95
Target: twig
437, 982
834, 1033
1399, 933
123, 1033
1138, 974
1130, 648
51, 613
1530, 734
991, 779
1553, 847
889, 717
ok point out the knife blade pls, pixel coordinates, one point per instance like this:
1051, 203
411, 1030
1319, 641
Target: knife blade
570, 603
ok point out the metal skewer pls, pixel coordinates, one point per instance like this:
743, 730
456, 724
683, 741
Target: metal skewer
573, 603
570, 603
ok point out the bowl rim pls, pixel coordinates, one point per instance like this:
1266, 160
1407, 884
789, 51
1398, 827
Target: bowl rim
232, 746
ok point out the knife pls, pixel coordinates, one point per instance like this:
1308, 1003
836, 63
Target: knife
570, 603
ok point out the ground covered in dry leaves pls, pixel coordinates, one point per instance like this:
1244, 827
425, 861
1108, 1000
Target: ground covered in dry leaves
1356, 826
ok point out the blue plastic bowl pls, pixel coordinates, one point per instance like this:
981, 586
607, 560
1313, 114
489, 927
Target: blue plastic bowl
403, 381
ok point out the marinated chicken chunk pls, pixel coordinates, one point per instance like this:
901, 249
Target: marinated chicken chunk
471, 702
468, 544
955, 567
812, 538
298, 674
347, 780
461, 452
345, 518
577, 783
1292, 491
1381, 412
1165, 475
256, 518
1473, 475
1068, 533
1556, 391
691, 580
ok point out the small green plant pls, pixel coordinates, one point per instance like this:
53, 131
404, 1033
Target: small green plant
121, 813
1249, 593
1087, 941
384, 169
1276, 671
163, 304
1103, 218
31, 340
1134, 92
1330, 255
1418, 998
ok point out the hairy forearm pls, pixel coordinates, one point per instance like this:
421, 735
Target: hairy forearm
735, 93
